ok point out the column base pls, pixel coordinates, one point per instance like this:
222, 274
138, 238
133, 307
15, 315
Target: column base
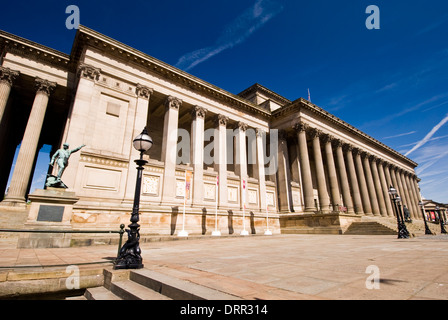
18, 203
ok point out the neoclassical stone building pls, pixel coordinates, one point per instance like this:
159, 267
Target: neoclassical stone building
328, 173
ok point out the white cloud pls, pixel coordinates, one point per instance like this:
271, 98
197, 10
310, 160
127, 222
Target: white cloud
235, 33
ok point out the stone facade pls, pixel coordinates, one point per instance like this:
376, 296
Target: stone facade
104, 93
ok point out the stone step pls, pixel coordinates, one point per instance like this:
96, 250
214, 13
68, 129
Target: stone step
130, 290
177, 289
146, 284
100, 293
369, 228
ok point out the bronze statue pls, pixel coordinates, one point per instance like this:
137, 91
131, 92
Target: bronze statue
61, 157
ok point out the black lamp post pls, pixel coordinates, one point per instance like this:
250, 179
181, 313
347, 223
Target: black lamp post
442, 227
130, 253
402, 231
427, 230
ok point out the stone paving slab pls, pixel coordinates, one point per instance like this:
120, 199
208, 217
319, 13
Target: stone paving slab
287, 267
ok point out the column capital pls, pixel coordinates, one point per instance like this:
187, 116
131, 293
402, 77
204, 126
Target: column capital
337, 143
348, 147
198, 112
365, 155
172, 102
373, 158
221, 120
88, 72
356, 151
315, 133
143, 91
241, 126
260, 132
326, 137
44, 86
301, 126
7, 75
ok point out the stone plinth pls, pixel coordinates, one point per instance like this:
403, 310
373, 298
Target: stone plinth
51, 209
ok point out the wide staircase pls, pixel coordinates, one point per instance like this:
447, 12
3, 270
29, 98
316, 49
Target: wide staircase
369, 228
145, 284
388, 226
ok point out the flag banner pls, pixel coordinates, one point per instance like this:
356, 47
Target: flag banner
244, 192
187, 184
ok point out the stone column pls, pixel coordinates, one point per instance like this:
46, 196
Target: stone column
385, 187
221, 157
346, 196
370, 185
332, 175
362, 183
197, 148
414, 182
414, 199
404, 191
261, 134
324, 199
411, 204
169, 148
7, 76
241, 157
378, 187
28, 149
284, 175
353, 180
307, 182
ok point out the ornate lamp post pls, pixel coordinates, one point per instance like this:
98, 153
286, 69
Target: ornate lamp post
402, 231
130, 253
427, 230
442, 227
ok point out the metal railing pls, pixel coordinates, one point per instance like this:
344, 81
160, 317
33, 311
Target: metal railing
120, 232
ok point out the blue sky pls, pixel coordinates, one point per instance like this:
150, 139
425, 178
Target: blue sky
392, 83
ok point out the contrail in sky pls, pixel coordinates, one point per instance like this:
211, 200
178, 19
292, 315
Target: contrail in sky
429, 135
234, 33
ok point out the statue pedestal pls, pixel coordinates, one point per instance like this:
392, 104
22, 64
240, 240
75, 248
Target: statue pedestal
51, 209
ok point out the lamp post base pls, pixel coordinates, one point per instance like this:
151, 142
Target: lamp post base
403, 232
128, 264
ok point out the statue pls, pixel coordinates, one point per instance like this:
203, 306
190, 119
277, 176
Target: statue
407, 214
62, 156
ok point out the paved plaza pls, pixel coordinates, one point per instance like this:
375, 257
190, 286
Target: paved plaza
287, 267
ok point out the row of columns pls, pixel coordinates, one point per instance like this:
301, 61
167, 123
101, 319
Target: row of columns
169, 154
25, 159
362, 180
22, 173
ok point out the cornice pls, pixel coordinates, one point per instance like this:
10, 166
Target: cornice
300, 103
269, 93
86, 36
35, 51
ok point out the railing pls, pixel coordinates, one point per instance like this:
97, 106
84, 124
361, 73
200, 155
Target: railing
121, 232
